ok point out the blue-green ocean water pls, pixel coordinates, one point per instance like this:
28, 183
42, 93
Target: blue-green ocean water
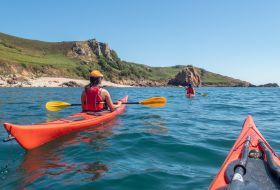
179, 146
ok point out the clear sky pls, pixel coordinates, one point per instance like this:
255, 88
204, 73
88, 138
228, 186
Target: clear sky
237, 38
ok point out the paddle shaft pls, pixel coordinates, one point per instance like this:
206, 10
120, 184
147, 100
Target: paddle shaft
103, 103
237, 181
131, 102
76, 104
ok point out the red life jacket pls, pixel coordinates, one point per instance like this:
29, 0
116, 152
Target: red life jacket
190, 91
90, 99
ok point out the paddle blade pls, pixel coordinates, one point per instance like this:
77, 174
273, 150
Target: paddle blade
56, 106
155, 102
204, 94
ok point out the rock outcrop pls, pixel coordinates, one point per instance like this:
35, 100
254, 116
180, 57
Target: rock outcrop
266, 85
14, 80
90, 50
188, 74
71, 84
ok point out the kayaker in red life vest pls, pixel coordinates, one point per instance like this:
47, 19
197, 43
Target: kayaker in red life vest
93, 94
190, 89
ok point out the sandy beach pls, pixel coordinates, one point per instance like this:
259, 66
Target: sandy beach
19, 81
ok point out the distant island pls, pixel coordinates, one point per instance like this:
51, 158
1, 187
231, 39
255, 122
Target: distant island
23, 61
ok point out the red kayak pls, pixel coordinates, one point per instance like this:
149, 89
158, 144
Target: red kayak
190, 95
32, 136
250, 164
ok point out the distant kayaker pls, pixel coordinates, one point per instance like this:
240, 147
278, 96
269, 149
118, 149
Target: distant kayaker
93, 94
190, 89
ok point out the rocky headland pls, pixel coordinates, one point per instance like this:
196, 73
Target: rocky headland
200, 77
266, 85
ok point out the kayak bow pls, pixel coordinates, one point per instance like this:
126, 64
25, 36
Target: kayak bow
251, 163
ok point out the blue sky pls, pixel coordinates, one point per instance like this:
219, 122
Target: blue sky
237, 38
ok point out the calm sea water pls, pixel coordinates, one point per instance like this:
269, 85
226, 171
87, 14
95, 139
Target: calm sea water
179, 146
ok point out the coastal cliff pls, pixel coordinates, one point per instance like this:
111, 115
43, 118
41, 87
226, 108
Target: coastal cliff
24, 60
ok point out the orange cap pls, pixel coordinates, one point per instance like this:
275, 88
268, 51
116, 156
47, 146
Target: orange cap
96, 74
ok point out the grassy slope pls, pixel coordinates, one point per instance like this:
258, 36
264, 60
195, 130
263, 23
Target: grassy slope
41, 58
214, 79
36, 45
34, 52
41, 55
37, 58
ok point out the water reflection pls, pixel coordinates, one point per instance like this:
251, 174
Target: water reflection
66, 156
155, 124
94, 170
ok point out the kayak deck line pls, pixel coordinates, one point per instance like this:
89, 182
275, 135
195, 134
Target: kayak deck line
257, 143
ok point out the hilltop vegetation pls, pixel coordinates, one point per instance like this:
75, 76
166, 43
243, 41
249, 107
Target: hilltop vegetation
76, 59
213, 79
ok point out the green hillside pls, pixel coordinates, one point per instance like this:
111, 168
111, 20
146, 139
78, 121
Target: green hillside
213, 79
33, 57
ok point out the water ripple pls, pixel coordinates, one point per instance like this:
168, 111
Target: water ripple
179, 146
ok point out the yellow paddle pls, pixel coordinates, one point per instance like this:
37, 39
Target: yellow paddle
154, 102
203, 94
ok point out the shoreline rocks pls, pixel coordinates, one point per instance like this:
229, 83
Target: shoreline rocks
275, 85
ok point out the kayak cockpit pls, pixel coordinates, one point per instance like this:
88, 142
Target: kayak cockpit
258, 175
259, 171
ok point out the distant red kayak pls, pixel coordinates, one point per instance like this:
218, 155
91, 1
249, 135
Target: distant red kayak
250, 164
190, 95
32, 136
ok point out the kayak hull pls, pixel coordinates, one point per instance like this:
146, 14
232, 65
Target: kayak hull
35, 135
190, 95
249, 129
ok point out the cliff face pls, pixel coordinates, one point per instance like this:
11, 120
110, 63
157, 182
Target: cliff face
90, 51
188, 74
